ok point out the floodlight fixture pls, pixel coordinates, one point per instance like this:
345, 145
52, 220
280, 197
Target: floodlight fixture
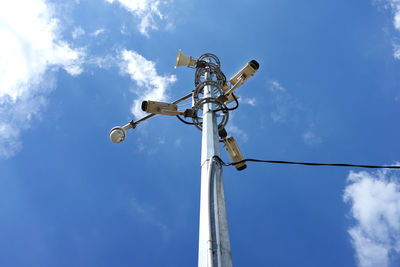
117, 134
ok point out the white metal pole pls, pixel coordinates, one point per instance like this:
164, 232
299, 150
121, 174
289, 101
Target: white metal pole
214, 244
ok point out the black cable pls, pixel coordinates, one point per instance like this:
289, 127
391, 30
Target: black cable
230, 109
237, 103
307, 163
182, 120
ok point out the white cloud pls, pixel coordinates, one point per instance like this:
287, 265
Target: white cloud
375, 202
161, 140
30, 47
9, 140
394, 5
147, 11
97, 32
249, 101
277, 87
310, 138
151, 85
178, 143
146, 214
396, 51
285, 106
124, 30
17, 116
78, 31
102, 62
232, 129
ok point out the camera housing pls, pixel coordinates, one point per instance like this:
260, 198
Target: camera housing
162, 108
245, 73
242, 76
234, 153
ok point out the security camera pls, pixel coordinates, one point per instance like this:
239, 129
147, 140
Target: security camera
160, 108
117, 134
234, 153
243, 75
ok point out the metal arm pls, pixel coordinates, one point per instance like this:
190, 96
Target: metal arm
132, 124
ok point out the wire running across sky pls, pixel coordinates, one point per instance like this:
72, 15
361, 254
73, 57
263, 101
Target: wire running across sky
307, 163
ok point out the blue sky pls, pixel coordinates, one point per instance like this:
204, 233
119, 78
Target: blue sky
327, 90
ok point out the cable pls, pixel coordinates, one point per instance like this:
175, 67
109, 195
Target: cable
182, 120
186, 104
230, 109
237, 103
307, 163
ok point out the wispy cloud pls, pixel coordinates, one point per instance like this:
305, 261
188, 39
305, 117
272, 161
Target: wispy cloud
375, 207
394, 6
151, 86
161, 140
97, 32
277, 87
310, 138
9, 140
77, 32
396, 52
178, 143
33, 47
284, 105
124, 30
102, 62
287, 109
145, 213
249, 101
234, 130
147, 11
